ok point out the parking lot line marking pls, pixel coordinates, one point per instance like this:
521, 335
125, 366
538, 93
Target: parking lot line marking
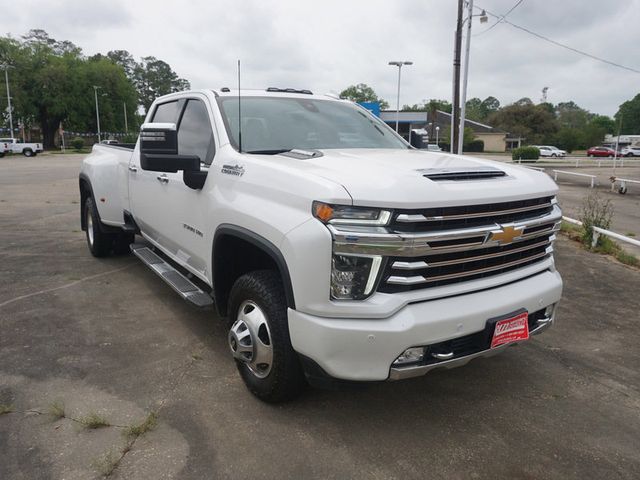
61, 287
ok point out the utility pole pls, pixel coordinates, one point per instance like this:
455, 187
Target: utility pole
6, 79
455, 104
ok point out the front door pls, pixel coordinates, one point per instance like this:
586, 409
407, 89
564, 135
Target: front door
170, 214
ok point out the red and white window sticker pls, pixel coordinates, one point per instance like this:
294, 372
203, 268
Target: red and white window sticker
511, 329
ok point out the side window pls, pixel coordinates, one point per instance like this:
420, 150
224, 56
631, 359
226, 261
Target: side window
195, 136
166, 113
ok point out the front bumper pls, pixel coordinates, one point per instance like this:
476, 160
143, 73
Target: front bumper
364, 349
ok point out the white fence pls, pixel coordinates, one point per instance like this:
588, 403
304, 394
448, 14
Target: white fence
592, 177
597, 231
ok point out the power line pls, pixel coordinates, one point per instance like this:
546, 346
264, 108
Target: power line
502, 17
554, 42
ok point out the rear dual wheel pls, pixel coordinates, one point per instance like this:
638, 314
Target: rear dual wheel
101, 243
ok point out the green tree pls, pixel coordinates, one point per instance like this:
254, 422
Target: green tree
363, 93
154, 78
571, 115
52, 84
490, 105
629, 115
535, 123
475, 110
569, 138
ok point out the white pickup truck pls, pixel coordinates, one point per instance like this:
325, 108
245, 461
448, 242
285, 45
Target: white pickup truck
337, 252
27, 149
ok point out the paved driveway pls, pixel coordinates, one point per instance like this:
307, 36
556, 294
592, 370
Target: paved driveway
107, 337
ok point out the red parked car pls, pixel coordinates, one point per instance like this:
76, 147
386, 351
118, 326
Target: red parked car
601, 152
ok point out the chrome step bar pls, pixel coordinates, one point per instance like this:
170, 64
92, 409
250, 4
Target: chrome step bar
172, 277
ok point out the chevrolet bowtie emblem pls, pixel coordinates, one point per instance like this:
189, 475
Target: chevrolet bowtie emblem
505, 235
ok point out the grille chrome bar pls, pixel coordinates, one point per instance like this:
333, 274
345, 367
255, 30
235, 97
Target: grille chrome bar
422, 264
367, 241
413, 218
417, 279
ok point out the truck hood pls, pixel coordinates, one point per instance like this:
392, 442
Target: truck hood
396, 178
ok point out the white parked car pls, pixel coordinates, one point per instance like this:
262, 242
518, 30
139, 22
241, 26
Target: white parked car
333, 261
109, 142
549, 151
432, 147
4, 148
630, 151
27, 149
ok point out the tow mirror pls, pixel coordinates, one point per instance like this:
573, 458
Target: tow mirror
159, 153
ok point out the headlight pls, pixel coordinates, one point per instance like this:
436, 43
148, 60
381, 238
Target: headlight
353, 277
344, 214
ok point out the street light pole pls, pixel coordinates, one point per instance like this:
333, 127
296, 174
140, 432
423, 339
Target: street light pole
455, 104
95, 92
6, 79
399, 65
437, 135
126, 126
463, 101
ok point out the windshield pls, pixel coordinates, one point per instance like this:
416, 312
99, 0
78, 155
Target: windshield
276, 124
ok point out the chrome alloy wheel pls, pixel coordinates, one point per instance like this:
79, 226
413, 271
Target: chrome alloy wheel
89, 226
250, 339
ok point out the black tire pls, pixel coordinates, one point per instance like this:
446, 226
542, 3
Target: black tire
28, 152
285, 379
99, 243
553, 155
1, 154
622, 190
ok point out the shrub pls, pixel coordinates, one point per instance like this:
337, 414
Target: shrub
77, 143
525, 153
595, 211
474, 146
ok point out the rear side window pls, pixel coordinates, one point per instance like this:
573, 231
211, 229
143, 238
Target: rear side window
195, 136
166, 113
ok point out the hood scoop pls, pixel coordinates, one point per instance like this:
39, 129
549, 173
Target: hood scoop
461, 174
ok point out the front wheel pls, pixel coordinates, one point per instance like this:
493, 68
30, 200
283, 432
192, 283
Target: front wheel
259, 338
28, 153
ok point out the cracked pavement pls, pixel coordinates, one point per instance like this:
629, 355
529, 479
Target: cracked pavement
107, 336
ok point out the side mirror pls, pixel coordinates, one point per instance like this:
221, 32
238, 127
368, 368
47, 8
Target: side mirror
159, 150
159, 153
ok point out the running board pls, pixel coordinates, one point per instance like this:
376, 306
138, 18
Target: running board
181, 284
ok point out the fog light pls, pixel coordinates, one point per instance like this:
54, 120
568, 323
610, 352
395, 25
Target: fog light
410, 355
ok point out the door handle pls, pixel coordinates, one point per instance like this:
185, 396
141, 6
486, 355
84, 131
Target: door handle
133, 169
163, 178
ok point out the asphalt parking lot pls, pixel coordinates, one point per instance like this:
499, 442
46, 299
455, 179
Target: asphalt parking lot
107, 337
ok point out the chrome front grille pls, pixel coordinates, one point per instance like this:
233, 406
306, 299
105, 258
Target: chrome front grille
442, 246
444, 269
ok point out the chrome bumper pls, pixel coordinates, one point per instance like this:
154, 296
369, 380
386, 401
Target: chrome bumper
396, 373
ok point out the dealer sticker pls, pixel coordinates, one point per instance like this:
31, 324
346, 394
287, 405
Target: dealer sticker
511, 329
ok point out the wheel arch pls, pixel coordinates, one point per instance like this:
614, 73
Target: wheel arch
86, 191
236, 251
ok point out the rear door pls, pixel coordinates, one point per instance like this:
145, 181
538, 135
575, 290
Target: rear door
168, 212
